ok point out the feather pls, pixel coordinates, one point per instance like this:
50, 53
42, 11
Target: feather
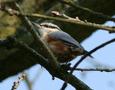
63, 36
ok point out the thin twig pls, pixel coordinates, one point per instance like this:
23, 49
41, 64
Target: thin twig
17, 82
95, 69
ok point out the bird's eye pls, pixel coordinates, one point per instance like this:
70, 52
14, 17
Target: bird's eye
44, 25
48, 26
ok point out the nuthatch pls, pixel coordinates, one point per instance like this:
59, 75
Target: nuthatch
64, 46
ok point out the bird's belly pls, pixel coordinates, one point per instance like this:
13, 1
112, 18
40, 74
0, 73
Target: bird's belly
58, 47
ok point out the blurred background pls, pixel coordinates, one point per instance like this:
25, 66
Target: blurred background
14, 61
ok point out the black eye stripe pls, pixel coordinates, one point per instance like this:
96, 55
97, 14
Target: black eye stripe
44, 25
53, 27
48, 26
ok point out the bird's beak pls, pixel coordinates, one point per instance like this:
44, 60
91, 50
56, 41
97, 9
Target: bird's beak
36, 25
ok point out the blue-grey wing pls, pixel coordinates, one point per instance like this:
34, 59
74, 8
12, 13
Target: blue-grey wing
63, 36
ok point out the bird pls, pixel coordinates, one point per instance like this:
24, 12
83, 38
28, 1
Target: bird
63, 45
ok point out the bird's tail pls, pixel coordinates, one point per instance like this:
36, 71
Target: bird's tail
87, 54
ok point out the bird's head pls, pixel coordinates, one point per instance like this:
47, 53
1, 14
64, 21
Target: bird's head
49, 27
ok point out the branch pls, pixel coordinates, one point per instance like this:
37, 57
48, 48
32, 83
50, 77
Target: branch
76, 6
83, 57
22, 45
16, 83
92, 51
52, 59
72, 21
95, 69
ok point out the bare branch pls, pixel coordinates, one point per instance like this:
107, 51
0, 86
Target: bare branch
98, 14
16, 83
96, 69
72, 21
